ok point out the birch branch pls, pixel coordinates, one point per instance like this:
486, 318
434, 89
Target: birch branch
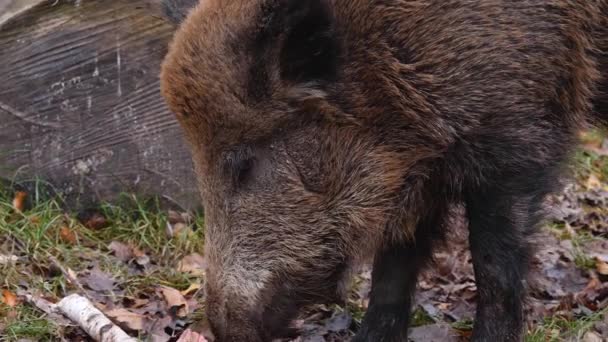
90, 319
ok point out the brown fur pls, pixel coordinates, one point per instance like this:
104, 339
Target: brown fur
308, 166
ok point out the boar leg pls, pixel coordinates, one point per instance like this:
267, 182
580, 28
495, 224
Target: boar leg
500, 224
394, 278
393, 283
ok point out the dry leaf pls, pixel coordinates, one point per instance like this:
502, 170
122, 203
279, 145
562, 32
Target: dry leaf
191, 336
137, 252
194, 264
140, 257
156, 329
19, 201
444, 306
177, 229
9, 298
593, 182
192, 288
175, 300
601, 266
433, 332
590, 336
97, 280
174, 217
93, 219
122, 251
127, 318
35, 219
339, 322
67, 235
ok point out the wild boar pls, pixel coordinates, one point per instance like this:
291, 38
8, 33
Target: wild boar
326, 133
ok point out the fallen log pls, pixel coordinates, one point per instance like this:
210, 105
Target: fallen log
80, 103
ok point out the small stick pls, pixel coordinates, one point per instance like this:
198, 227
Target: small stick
81, 311
67, 274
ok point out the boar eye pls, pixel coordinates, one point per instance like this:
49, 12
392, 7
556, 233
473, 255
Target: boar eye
239, 165
243, 171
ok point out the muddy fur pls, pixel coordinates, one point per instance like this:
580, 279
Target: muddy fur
325, 133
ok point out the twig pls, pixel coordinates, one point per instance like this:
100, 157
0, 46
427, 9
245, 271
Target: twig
68, 274
20, 245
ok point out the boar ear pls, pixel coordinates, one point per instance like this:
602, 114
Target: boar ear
310, 51
177, 10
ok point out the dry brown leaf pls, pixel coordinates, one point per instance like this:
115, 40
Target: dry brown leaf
178, 229
137, 252
192, 288
601, 266
593, 182
444, 306
134, 303
174, 217
122, 251
589, 139
97, 280
67, 235
590, 336
155, 328
93, 219
19, 201
191, 336
129, 319
433, 332
141, 258
175, 300
194, 264
569, 232
9, 298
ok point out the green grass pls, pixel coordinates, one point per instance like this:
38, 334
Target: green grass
421, 317
579, 255
27, 323
464, 325
35, 235
581, 259
588, 162
561, 329
356, 311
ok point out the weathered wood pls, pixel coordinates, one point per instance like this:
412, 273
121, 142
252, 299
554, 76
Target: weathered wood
80, 103
11, 8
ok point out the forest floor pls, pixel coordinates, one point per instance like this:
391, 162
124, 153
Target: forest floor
141, 266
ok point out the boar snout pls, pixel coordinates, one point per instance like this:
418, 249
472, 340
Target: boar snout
230, 319
237, 316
